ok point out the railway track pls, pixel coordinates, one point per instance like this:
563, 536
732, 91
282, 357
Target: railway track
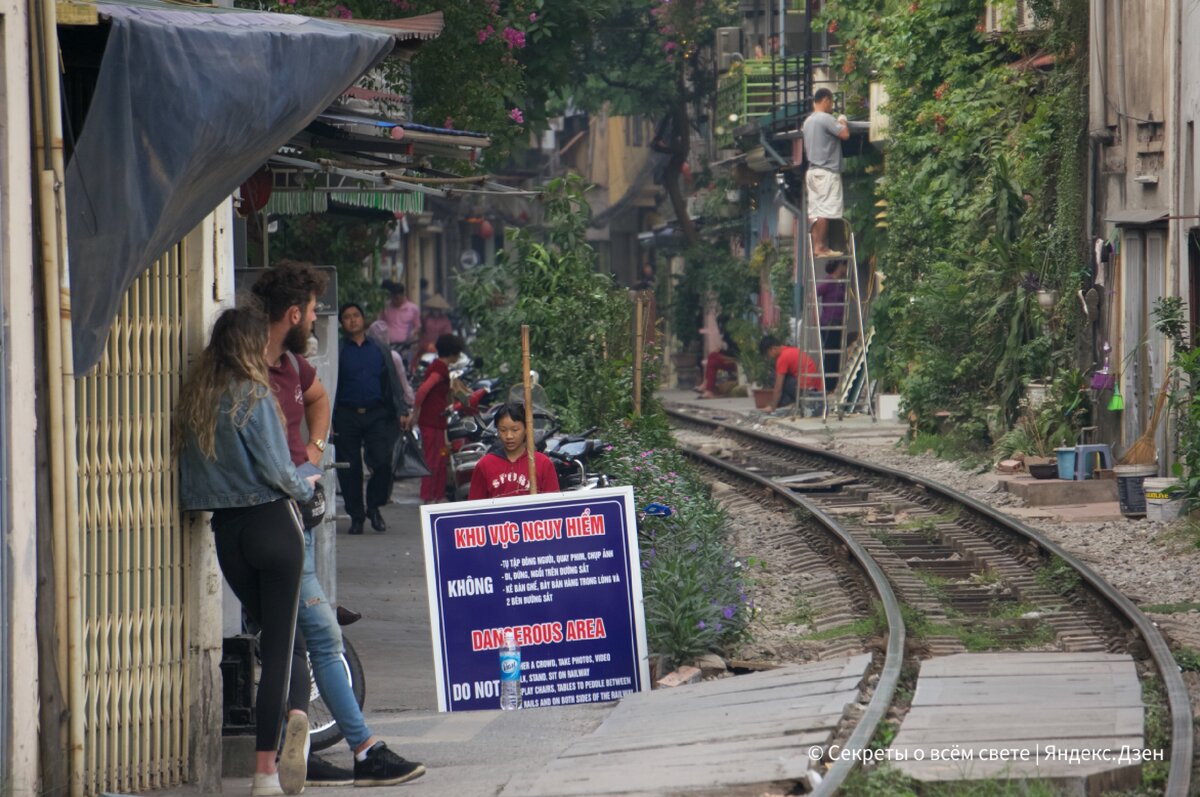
963, 576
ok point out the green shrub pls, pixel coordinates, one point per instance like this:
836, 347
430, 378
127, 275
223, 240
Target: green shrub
696, 596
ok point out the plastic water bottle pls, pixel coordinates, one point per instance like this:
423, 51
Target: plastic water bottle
510, 673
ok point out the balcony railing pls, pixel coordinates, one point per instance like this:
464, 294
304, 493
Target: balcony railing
767, 90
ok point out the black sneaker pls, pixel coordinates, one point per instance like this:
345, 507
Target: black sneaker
323, 773
382, 767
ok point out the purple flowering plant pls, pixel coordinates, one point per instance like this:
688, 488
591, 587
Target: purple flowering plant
696, 595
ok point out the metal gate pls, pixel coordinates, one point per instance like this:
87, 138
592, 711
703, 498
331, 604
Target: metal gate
133, 556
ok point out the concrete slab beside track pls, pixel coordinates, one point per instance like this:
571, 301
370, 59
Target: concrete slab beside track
710, 737
1025, 715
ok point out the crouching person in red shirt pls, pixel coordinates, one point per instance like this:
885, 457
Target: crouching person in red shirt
504, 470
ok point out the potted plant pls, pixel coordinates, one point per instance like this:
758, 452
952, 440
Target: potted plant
760, 373
1051, 424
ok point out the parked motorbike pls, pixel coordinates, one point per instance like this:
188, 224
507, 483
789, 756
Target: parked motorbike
323, 730
572, 456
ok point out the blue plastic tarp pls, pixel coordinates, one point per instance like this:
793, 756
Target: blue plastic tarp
188, 104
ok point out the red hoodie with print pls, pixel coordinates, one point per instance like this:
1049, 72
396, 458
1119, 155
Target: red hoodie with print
496, 477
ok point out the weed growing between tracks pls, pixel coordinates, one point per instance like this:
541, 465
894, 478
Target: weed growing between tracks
887, 781
1158, 733
1057, 576
1187, 659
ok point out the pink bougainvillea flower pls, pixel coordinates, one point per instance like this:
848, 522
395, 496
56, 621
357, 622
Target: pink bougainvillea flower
514, 37
669, 46
485, 33
516, 115
449, 123
341, 12
533, 17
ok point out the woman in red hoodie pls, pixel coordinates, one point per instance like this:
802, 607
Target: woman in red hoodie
504, 470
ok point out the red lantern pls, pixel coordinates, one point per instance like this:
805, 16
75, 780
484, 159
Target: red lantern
256, 191
485, 229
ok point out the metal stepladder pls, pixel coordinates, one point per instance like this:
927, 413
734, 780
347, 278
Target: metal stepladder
833, 328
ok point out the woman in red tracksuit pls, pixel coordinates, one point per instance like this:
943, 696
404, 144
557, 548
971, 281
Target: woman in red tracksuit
504, 470
429, 410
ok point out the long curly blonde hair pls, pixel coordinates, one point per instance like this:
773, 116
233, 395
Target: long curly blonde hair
236, 353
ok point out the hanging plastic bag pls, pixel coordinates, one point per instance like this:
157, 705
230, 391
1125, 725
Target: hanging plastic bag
408, 460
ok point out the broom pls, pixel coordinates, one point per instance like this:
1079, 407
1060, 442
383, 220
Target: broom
1143, 451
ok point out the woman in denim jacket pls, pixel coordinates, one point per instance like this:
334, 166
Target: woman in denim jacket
234, 462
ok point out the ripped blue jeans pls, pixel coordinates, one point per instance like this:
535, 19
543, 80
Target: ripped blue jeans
318, 622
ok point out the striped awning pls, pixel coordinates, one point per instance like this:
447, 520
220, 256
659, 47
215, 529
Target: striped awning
299, 203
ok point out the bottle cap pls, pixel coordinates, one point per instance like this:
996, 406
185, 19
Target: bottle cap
510, 638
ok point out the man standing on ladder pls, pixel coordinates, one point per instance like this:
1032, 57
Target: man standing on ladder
823, 137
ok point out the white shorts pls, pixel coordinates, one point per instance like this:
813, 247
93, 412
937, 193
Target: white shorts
824, 194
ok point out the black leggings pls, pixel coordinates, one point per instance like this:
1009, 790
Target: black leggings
261, 552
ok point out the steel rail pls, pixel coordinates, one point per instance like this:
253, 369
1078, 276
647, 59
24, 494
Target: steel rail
893, 660
1179, 775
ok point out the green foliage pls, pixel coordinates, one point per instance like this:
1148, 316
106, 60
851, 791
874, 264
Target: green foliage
1170, 319
1054, 423
579, 320
984, 190
714, 274
1187, 659
884, 781
696, 597
328, 240
642, 58
1158, 733
1057, 576
1171, 608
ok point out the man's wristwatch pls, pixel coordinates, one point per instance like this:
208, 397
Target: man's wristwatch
319, 442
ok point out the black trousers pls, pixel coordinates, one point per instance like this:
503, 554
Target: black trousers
261, 552
787, 397
369, 436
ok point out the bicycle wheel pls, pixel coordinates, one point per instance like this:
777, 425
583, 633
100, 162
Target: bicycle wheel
323, 730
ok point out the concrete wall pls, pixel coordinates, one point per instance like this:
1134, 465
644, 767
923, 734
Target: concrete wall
210, 267
18, 584
628, 150
1187, 150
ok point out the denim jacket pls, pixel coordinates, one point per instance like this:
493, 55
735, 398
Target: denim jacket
252, 465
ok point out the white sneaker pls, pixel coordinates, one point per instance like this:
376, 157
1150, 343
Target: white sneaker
266, 785
293, 761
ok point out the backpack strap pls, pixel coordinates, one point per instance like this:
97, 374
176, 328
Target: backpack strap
295, 363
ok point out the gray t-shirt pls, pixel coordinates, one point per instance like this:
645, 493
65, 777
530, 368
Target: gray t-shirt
821, 142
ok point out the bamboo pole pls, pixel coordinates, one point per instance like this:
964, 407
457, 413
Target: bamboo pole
639, 339
61, 383
530, 442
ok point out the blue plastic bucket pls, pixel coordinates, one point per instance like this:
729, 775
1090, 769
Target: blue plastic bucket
1066, 462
